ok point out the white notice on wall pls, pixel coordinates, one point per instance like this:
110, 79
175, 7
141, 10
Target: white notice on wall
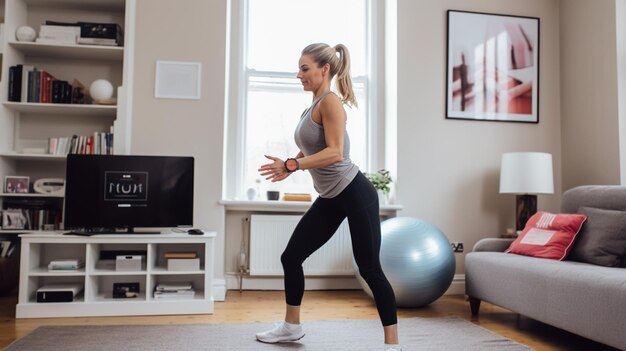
177, 80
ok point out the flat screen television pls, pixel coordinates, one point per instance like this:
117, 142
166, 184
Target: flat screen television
113, 193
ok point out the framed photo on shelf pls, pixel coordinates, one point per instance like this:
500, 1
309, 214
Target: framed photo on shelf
16, 184
125, 290
13, 219
492, 70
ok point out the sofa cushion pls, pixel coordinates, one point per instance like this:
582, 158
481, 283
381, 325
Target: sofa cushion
548, 235
602, 239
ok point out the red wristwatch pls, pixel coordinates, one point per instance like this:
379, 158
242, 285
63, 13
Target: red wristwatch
292, 165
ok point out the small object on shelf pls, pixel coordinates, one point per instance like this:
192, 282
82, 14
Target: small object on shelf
101, 89
125, 290
50, 186
273, 195
186, 254
174, 291
57, 34
25, 33
66, 265
251, 193
59, 292
183, 264
16, 184
101, 33
297, 197
129, 263
78, 92
13, 219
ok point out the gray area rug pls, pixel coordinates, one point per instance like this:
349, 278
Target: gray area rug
446, 333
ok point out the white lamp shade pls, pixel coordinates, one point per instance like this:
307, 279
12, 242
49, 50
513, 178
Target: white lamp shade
526, 173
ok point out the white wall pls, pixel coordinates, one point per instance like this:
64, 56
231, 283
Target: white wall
589, 98
448, 170
184, 31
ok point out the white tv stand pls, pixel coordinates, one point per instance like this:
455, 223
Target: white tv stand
39, 248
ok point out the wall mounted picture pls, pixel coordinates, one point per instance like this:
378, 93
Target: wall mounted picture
492, 67
178, 80
16, 184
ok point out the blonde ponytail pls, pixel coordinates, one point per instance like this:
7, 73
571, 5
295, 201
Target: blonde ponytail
339, 65
344, 82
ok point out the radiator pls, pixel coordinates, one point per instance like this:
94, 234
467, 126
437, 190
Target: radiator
269, 235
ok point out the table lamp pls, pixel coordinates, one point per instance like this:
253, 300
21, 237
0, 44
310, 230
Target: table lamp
526, 174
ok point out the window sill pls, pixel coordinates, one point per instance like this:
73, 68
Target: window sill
289, 206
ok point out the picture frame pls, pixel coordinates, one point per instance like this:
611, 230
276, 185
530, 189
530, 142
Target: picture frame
125, 290
178, 80
492, 67
16, 184
13, 219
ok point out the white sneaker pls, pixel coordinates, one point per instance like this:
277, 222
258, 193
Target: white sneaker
281, 333
390, 347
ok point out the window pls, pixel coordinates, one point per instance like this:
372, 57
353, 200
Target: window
270, 99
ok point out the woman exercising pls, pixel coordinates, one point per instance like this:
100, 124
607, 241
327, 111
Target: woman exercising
343, 192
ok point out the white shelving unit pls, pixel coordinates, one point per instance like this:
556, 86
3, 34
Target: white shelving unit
30, 125
39, 248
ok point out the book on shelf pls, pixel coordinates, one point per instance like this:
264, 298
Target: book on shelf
97, 41
15, 83
31, 84
100, 143
32, 213
181, 254
174, 291
173, 296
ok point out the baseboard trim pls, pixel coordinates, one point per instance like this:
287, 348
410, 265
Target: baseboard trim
219, 289
318, 283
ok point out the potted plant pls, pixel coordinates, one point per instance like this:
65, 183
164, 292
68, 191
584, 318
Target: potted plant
381, 180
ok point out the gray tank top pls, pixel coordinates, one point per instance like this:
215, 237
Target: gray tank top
328, 181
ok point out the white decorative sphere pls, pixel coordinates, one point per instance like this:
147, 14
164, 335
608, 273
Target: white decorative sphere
25, 33
101, 89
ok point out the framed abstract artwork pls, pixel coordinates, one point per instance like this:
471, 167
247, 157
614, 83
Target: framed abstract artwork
492, 71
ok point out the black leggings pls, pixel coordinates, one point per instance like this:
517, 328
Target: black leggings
358, 202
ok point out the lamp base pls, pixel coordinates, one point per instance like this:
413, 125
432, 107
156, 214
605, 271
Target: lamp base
525, 207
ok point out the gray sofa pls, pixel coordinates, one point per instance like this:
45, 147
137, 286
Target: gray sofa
582, 298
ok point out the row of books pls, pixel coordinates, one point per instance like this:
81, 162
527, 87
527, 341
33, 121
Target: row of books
100, 143
31, 84
31, 218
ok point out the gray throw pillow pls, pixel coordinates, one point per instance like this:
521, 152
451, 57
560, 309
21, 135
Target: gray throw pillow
602, 239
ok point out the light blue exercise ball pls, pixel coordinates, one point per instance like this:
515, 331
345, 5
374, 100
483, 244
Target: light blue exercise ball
417, 259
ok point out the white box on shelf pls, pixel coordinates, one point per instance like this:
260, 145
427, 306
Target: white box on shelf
129, 263
183, 264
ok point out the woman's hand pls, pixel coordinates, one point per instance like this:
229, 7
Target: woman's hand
274, 171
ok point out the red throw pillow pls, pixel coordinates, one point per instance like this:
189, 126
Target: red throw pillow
548, 235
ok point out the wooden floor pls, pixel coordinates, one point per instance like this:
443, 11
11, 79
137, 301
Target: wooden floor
267, 306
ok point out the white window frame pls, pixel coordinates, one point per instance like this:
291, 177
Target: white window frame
236, 98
